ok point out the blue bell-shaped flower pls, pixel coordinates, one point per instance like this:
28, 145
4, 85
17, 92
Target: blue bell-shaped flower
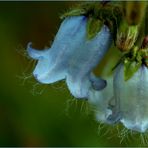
72, 57
131, 99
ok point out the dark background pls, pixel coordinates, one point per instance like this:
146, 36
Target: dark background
32, 114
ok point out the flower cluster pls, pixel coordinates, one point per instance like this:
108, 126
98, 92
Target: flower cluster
84, 37
125, 99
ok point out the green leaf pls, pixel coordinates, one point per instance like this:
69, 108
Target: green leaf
73, 12
93, 27
130, 68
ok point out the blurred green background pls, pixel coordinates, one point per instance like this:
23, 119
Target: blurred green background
41, 115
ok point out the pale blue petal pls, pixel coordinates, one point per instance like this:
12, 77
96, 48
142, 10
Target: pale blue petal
52, 63
51, 76
36, 54
46, 70
97, 83
44, 65
100, 101
70, 28
131, 98
86, 57
50, 69
78, 86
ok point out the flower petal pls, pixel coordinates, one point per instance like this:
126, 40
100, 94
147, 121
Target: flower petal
45, 71
78, 86
52, 75
132, 98
97, 83
52, 63
100, 101
35, 54
86, 58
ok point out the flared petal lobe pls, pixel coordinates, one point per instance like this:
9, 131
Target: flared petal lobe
131, 98
100, 101
72, 57
36, 54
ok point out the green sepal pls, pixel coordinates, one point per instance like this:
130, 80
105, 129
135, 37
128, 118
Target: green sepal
132, 61
130, 67
73, 12
143, 54
126, 36
80, 9
112, 16
93, 27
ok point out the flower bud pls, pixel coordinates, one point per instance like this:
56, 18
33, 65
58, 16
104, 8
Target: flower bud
126, 36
